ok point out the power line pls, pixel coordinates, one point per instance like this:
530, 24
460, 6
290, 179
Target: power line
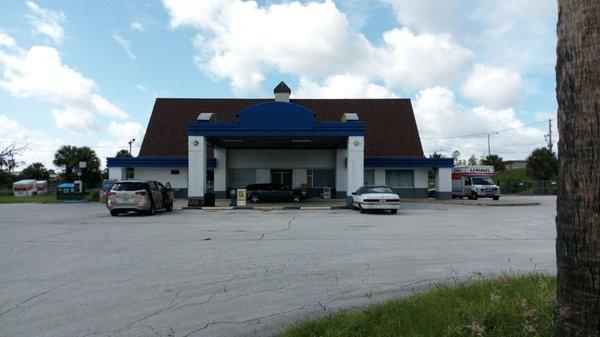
483, 133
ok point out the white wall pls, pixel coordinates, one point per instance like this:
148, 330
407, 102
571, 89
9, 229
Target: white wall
163, 174
443, 179
340, 171
281, 159
117, 173
421, 177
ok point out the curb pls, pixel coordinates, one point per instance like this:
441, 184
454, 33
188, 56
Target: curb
467, 203
263, 208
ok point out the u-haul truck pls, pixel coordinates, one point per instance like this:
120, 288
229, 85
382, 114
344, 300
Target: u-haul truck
474, 182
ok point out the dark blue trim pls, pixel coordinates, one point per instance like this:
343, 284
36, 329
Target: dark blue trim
322, 129
276, 119
408, 162
154, 162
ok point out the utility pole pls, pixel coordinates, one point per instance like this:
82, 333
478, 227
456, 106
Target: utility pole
489, 134
548, 136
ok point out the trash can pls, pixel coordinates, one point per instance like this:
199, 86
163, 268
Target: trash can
209, 199
233, 197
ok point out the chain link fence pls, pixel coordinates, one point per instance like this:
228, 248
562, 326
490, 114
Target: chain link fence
532, 187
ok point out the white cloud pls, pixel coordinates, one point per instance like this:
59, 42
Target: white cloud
46, 22
39, 73
438, 115
76, 122
428, 15
495, 87
40, 147
7, 41
415, 61
242, 42
118, 134
342, 86
136, 25
125, 45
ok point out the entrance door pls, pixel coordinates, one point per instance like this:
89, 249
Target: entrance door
283, 177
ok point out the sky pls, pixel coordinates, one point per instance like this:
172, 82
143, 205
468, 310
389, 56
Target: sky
88, 72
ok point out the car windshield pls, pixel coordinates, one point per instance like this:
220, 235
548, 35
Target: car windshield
482, 181
378, 190
129, 186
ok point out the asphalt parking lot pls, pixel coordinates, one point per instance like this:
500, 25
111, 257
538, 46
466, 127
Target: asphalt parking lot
73, 270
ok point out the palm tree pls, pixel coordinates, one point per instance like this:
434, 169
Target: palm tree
35, 171
68, 157
578, 201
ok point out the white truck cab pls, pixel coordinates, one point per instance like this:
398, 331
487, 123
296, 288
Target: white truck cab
474, 182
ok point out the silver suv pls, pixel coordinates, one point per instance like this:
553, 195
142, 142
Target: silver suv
146, 196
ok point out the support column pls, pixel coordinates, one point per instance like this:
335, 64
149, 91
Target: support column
220, 172
196, 170
355, 168
340, 173
443, 183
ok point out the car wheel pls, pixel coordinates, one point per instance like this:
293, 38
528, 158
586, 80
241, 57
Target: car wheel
170, 207
394, 211
114, 212
474, 196
496, 198
362, 210
296, 198
254, 198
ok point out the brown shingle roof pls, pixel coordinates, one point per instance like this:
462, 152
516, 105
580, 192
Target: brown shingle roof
390, 127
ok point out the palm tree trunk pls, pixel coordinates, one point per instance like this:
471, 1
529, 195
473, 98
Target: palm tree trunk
578, 201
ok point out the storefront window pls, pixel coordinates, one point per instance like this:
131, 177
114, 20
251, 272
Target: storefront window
320, 178
399, 178
369, 177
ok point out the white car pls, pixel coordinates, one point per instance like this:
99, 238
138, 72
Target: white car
375, 198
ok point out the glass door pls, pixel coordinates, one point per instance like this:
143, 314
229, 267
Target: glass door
283, 177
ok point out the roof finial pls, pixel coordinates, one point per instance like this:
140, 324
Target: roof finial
282, 88
282, 92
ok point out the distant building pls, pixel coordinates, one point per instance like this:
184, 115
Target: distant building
514, 164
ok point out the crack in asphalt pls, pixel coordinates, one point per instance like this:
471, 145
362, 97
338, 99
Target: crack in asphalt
207, 325
18, 305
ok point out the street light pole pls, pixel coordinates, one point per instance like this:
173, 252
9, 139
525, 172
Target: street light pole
131, 142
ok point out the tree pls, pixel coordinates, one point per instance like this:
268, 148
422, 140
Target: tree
6, 179
578, 192
542, 164
436, 155
8, 154
35, 171
457, 160
123, 153
68, 157
472, 160
494, 160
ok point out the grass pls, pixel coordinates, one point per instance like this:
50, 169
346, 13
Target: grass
6, 197
515, 306
9, 199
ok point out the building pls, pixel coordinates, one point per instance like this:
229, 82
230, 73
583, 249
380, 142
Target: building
215, 145
514, 164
